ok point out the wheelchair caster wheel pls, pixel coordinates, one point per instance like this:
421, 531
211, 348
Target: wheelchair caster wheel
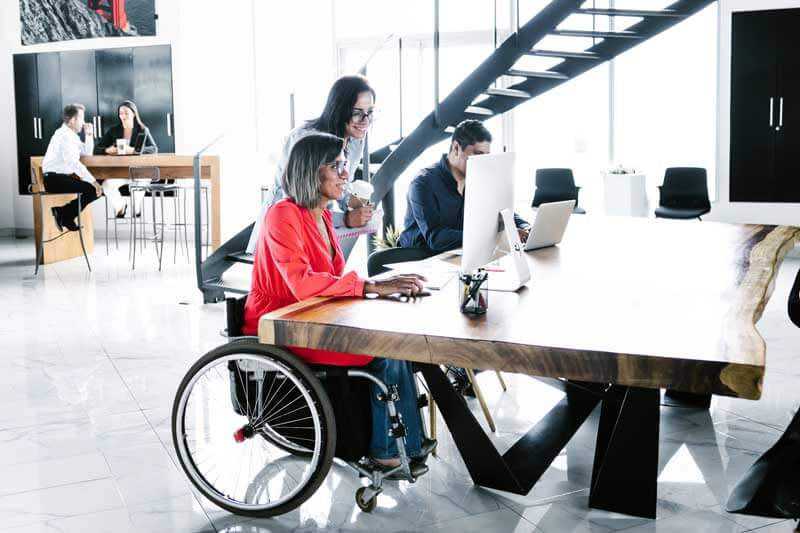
369, 505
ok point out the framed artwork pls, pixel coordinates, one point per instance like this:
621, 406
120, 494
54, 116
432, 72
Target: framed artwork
45, 21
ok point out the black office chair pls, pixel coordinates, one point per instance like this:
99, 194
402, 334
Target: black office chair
684, 194
377, 261
556, 185
771, 487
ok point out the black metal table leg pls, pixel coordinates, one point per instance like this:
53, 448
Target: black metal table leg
625, 472
524, 463
771, 487
673, 398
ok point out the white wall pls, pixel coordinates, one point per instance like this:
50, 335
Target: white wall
232, 71
723, 210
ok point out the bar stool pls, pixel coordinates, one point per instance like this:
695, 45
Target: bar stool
155, 188
40, 225
125, 192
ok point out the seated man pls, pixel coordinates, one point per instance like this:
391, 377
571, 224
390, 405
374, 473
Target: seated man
62, 163
435, 213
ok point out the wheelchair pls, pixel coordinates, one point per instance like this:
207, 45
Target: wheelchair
255, 430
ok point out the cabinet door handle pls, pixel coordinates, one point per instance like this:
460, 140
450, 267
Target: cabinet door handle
35, 128
780, 114
771, 110
40, 128
169, 124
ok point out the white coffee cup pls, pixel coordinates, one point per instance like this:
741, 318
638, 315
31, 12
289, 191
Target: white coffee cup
122, 146
362, 190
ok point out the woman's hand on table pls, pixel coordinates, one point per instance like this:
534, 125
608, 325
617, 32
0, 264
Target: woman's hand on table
111, 150
399, 284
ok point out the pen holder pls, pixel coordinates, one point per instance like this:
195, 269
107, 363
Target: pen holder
473, 292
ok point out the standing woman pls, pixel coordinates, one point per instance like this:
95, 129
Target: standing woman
348, 114
132, 129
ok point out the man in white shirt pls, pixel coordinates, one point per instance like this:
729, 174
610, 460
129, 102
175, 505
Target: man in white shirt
62, 163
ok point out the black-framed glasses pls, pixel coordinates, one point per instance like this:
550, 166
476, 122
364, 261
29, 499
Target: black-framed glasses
340, 166
360, 116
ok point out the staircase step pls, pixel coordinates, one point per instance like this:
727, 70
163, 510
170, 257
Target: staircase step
513, 93
240, 257
544, 74
566, 55
226, 288
477, 110
628, 12
598, 34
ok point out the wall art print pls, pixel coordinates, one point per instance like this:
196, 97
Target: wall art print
45, 21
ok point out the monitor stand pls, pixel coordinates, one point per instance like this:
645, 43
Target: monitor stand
516, 272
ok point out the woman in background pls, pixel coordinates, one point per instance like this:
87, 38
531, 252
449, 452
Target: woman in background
138, 140
348, 113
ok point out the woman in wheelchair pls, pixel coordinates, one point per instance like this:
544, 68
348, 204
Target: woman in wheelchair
298, 257
294, 410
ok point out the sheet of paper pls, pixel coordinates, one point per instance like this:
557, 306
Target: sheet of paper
438, 272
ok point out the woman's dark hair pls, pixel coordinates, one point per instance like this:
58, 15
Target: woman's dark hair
301, 179
135, 110
338, 108
470, 132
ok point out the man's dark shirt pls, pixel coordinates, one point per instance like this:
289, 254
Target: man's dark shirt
435, 211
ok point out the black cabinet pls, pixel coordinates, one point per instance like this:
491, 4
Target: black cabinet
98, 79
765, 107
152, 72
114, 83
27, 97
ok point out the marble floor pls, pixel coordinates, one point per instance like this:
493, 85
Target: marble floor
89, 364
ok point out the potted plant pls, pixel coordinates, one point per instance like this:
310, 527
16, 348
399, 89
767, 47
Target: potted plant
624, 192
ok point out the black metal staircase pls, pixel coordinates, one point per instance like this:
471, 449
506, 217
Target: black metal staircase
477, 97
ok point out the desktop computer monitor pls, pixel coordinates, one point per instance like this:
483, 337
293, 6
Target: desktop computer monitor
489, 190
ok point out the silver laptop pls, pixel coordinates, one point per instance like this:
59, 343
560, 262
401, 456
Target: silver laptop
549, 225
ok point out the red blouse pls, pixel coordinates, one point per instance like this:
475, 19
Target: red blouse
293, 263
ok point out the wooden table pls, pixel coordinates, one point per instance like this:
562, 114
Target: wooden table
622, 308
102, 167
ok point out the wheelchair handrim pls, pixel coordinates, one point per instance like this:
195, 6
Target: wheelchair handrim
193, 470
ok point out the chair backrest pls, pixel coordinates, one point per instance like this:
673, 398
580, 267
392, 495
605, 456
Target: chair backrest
554, 185
685, 187
794, 301
234, 315
377, 261
145, 173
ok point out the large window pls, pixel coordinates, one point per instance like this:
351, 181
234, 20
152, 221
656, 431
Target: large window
665, 101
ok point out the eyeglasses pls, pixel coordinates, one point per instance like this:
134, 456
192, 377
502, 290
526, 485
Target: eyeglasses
339, 166
359, 116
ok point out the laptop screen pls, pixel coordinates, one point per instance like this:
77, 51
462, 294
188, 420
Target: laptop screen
139, 143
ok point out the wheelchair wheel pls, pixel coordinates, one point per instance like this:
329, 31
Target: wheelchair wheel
257, 440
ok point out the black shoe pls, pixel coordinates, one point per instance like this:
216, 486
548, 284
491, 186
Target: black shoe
70, 225
121, 213
428, 446
417, 469
57, 217
462, 385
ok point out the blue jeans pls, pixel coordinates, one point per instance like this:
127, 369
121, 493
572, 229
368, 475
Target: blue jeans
394, 372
